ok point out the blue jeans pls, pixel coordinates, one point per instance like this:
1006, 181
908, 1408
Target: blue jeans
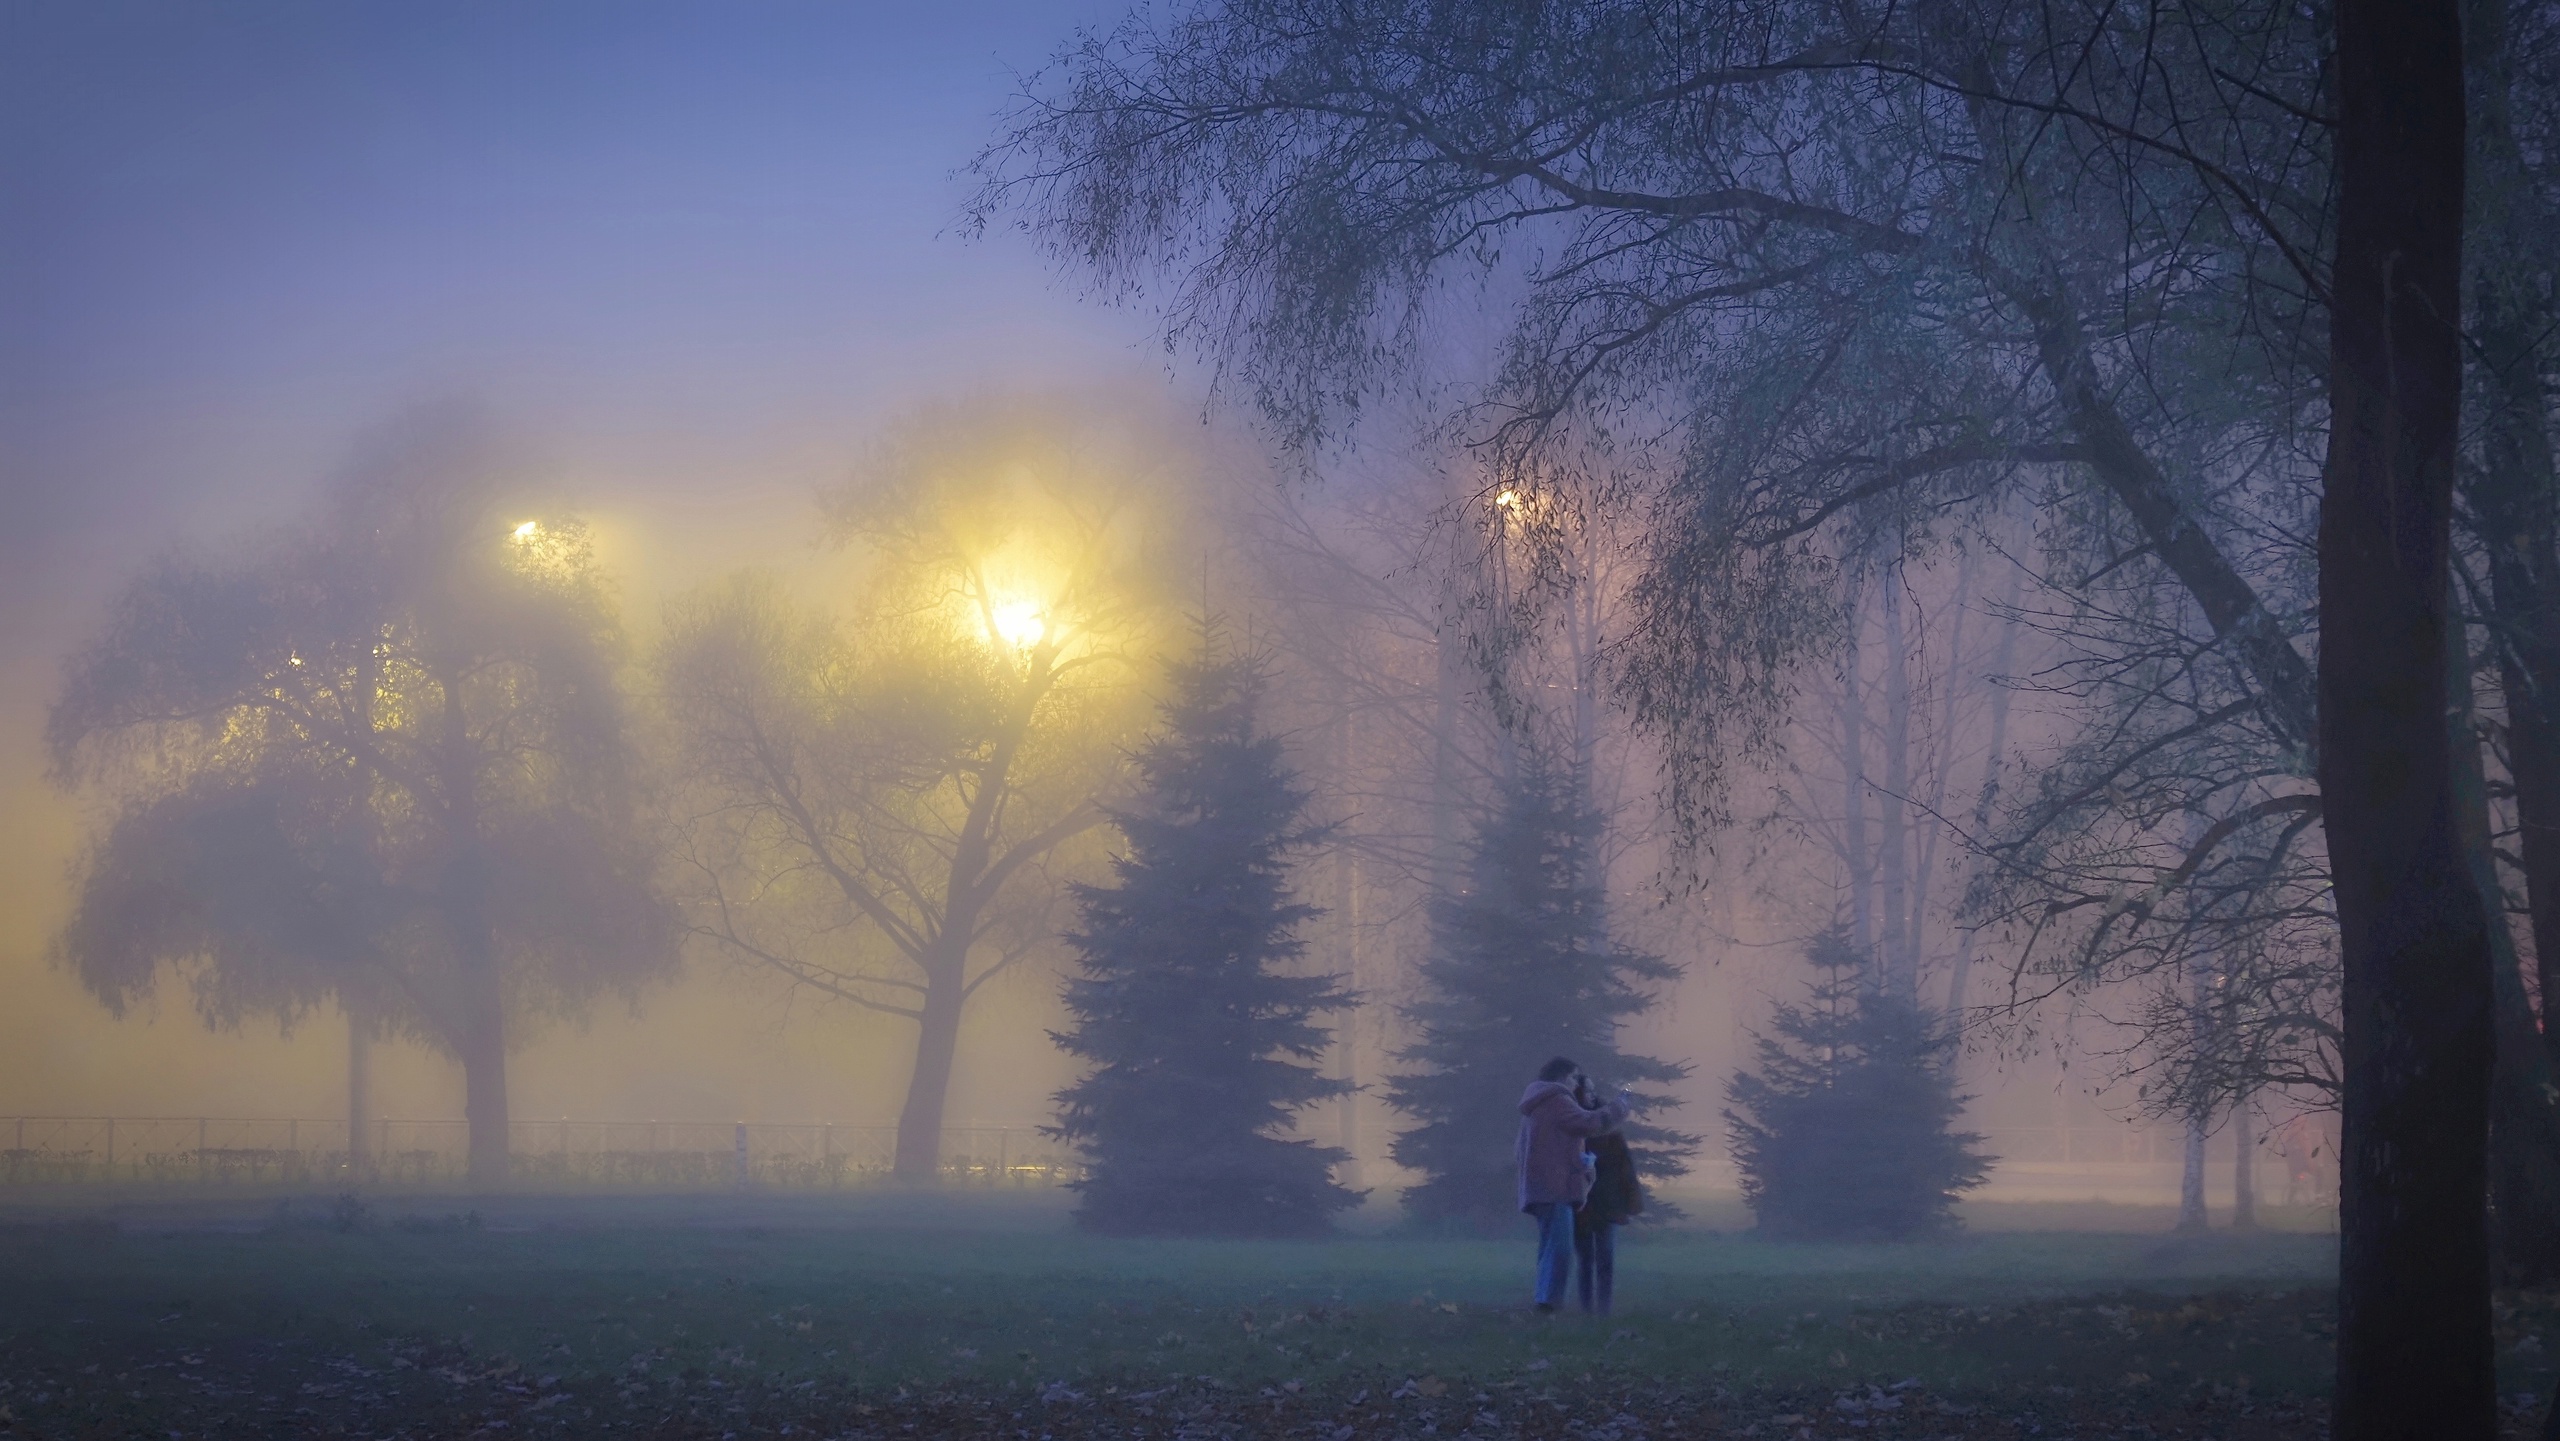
1595, 1246
1555, 1248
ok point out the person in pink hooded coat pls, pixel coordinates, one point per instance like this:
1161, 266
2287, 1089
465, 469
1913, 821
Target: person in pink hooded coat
1553, 1180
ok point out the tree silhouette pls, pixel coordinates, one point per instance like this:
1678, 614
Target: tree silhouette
1201, 1039
873, 802
1846, 1129
1521, 969
380, 756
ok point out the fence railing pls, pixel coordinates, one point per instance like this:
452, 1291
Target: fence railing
650, 1155
711, 1155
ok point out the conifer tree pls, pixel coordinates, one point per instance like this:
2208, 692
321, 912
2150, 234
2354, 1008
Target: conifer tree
1521, 969
1847, 1129
1201, 1039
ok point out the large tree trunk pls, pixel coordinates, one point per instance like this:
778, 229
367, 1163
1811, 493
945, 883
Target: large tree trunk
919, 1156
2414, 1339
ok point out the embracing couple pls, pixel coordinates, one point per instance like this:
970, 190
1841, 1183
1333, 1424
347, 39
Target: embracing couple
1577, 1179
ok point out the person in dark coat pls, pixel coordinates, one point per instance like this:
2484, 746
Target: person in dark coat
1553, 1126
1614, 1198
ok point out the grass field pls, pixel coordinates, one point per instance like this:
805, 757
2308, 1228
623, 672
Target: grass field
974, 1313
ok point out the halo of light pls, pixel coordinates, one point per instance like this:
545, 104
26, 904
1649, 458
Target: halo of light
1019, 623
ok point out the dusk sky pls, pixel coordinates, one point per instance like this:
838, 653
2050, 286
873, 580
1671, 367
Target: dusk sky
677, 240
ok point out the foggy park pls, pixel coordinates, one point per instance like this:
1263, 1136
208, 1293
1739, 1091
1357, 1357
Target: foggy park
1335, 719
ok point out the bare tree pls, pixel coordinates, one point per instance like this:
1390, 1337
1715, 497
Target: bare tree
875, 800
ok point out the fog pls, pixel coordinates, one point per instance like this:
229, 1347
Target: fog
689, 262
690, 267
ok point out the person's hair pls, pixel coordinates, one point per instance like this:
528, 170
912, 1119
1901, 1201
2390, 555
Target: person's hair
1557, 1069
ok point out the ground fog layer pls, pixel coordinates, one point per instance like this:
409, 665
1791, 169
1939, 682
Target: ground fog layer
911, 1315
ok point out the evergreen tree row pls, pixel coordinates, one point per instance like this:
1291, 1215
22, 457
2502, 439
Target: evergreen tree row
1202, 1038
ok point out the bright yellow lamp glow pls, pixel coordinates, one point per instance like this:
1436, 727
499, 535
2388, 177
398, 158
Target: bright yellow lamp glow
528, 530
1508, 500
1019, 623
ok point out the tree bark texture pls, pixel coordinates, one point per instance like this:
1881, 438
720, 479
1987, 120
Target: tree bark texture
2414, 1339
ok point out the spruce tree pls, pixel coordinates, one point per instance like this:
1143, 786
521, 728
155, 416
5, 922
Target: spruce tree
1847, 1129
1521, 969
1202, 1041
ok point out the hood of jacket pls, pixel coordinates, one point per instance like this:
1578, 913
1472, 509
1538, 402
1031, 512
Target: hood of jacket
1540, 1092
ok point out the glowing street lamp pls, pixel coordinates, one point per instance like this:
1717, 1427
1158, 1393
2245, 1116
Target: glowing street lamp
527, 531
1018, 623
1508, 500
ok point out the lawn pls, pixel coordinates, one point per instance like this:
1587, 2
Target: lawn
890, 1314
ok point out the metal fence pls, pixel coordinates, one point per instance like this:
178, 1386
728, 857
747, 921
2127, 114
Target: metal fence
638, 1155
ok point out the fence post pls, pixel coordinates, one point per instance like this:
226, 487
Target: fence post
111, 1148
740, 1166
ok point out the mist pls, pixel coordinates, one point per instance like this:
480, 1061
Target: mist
942, 650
